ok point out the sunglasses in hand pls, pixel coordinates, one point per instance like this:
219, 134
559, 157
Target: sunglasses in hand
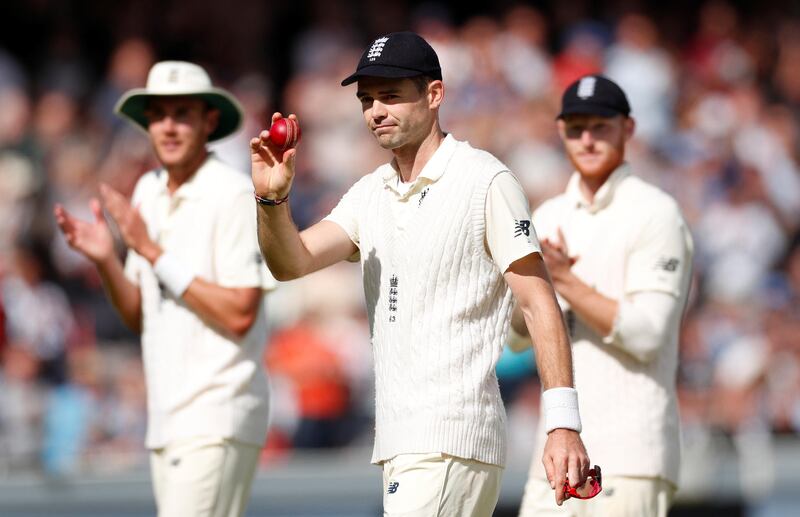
591, 488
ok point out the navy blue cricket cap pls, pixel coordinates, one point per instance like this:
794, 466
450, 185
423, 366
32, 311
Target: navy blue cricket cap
594, 95
397, 55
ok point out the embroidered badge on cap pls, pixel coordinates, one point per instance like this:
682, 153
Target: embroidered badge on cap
376, 48
586, 87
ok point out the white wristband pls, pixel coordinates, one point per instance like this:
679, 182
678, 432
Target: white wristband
560, 408
172, 274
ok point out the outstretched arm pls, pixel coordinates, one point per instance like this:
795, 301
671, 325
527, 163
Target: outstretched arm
289, 253
565, 457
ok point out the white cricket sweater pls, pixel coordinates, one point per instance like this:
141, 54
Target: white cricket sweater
632, 238
438, 309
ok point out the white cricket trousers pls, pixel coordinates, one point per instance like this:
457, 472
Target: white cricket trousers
203, 477
439, 485
622, 496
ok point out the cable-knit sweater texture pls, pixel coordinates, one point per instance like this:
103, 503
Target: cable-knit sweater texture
438, 309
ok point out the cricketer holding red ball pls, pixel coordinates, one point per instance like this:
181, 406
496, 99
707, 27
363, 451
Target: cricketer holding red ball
619, 253
444, 238
193, 284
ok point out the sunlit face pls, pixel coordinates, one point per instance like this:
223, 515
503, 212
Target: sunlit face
595, 145
179, 128
396, 111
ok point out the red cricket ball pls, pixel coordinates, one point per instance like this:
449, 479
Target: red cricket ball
285, 133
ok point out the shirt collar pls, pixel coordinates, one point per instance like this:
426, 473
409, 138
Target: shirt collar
432, 171
604, 195
192, 187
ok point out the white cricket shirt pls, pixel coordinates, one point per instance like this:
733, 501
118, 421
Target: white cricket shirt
631, 239
509, 232
201, 382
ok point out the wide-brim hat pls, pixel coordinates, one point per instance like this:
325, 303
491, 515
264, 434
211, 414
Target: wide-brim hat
179, 78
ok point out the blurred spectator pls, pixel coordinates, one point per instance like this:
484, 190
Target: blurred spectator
786, 76
582, 53
3, 341
14, 119
96, 419
38, 313
329, 34
72, 413
120, 432
17, 189
302, 356
12, 76
521, 52
55, 117
255, 94
130, 61
740, 409
644, 70
714, 55
22, 399
738, 260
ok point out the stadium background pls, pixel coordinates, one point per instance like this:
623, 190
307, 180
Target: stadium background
715, 87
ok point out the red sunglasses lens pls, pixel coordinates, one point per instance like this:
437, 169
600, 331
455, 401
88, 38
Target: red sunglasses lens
591, 488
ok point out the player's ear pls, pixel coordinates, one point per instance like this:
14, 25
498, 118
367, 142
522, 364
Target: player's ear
435, 93
562, 128
629, 127
211, 120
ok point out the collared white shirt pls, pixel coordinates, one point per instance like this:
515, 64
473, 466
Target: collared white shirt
630, 239
509, 232
437, 303
200, 381
644, 232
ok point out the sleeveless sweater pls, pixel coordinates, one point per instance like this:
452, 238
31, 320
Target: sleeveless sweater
438, 310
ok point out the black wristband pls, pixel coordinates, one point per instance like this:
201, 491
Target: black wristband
271, 202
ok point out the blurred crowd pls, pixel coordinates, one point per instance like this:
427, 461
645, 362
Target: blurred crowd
717, 106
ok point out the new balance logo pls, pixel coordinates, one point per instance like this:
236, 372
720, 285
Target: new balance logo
392, 487
586, 87
668, 264
522, 227
377, 48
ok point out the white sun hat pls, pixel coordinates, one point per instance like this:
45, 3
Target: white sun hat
180, 78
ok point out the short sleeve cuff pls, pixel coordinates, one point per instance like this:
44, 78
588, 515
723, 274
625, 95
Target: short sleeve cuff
355, 257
